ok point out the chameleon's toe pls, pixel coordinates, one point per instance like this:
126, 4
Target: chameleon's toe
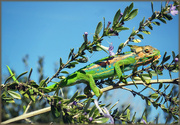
99, 93
123, 79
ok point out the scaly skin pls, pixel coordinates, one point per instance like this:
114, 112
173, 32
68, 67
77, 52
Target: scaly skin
109, 67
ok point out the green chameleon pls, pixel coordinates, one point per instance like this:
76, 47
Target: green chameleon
110, 66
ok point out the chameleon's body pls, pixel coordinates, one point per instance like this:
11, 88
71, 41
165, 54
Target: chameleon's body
110, 66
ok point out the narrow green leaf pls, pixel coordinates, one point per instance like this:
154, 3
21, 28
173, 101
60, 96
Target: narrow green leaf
100, 120
55, 111
71, 53
24, 108
166, 87
125, 13
72, 65
162, 20
171, 91
113, 105
126, 108
61, 62
14, 78
98, 28
140, 36
128, 114
101, 48
153, 73
146, 32
134, 83
104, 23
160, 85
43, 83
61, 77
97, 48
118, 29
14, 94
116, 17
8, 100
31, 91
144, 117
142, 78
153, 96
32, 97
87, 105
156, 23
22, 74
132, 15
167, 17
158, 99
145, 75
175, 117
153, 16
150, 75
155, 104
65, 72
163, 108
133, 32
92, 111
116, 112
131, 6
74, 96
164, 55
136, 40
136, 78
162, 6
173, 54
30, 74
133, 118
8, 78
152, 7
150, 26
148, 102
167, 58
141, 23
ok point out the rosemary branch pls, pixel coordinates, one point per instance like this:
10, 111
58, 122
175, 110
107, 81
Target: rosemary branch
120, 85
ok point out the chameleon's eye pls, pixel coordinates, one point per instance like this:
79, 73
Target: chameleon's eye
146, 50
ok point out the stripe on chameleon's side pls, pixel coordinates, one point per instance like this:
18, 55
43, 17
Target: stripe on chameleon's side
107, 62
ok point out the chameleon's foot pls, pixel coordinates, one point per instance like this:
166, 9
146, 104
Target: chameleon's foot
122, 79
99, 93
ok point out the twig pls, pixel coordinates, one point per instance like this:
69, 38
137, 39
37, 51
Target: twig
27, 110
28, 107
173, 81
24, 116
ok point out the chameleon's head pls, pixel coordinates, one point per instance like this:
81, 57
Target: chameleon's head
146, 54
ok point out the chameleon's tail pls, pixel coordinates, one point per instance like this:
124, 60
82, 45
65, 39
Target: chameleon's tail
63, 83
51, 88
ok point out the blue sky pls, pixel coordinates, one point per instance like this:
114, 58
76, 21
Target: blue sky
51, 29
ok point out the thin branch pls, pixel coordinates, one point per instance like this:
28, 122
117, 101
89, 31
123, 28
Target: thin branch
173, 81
28, 107
24, 116
27, 110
